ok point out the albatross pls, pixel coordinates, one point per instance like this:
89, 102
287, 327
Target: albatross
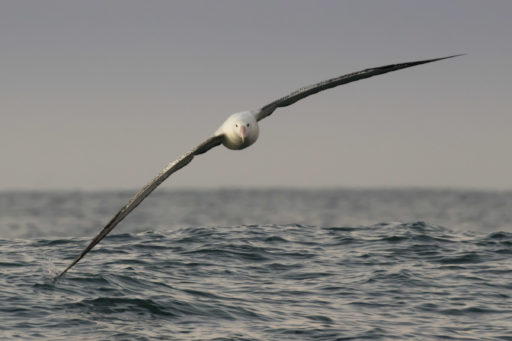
239, 131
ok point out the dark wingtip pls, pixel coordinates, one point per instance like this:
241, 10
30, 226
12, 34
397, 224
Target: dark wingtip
441, 58
455, 55
69, 267
56, 278
425, 61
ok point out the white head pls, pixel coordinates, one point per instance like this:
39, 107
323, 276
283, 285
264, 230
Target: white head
240, 130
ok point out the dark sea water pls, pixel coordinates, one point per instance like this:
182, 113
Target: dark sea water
259, 265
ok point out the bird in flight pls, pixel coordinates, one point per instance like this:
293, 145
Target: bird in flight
239, 131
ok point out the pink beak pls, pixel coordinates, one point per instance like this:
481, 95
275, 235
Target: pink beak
242, 133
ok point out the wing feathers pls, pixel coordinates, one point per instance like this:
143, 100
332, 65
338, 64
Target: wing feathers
145, 191
333, 82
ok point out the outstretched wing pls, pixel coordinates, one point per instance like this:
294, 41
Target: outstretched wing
181, 162
333, 82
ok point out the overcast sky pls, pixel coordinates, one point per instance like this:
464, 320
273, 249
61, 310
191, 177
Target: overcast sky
102, 94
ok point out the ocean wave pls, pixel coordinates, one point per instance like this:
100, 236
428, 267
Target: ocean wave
402, 280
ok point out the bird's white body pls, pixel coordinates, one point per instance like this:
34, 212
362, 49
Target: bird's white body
240, 130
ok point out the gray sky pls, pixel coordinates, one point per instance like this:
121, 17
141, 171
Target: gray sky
102, 94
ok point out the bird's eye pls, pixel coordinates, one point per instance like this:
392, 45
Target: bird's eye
248, 124
236, 125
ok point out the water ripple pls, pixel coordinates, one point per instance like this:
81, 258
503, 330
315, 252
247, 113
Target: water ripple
390, 280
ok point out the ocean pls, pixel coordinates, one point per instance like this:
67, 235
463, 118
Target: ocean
269, 264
